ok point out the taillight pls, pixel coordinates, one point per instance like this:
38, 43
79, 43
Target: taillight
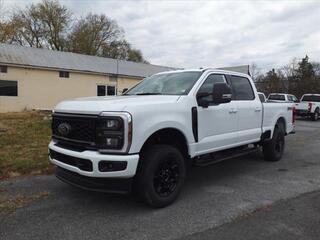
310, 106
293, 115
293, 109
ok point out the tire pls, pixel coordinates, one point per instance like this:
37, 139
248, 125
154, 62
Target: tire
273, 149
161, 175
315, 115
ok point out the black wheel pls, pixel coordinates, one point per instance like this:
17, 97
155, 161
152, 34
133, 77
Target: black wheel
273, 149
161, 175
315, 116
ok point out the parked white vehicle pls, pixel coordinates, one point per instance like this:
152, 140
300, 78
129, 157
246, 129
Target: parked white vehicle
149, 136
282, 97
309, 106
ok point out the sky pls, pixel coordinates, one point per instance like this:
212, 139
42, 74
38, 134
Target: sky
191, 34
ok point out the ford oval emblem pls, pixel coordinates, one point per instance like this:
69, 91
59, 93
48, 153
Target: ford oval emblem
64, 129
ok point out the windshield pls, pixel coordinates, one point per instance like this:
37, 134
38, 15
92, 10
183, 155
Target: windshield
311, 98
166, 84
278, 97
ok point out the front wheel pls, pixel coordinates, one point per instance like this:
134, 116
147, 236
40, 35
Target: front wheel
273, 149
161, 175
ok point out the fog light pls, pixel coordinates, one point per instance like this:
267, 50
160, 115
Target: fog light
112, 166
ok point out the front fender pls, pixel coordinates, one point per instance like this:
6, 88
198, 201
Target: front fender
143, 129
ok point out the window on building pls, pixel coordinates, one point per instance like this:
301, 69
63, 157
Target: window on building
64, 74
111, 90
101, 90
3, 69
113, 78
8, 88
241, 88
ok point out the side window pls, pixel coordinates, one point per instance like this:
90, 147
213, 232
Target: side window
207, 86
262, 98
295, 99
290, 98
241, 88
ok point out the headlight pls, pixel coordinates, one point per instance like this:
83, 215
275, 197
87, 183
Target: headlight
113, 132
110, 123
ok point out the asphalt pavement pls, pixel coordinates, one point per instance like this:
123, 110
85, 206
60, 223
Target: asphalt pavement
231, 199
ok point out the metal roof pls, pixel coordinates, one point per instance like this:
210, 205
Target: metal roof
43, 58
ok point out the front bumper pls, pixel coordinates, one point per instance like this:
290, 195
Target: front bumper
94, 157
109, 185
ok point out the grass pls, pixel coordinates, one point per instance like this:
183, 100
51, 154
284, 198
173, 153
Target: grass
24, 139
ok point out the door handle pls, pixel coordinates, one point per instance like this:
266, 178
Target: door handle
257, 109
233, 110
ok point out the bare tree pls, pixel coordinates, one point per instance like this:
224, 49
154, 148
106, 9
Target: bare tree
254, 71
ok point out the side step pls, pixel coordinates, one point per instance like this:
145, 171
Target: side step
212, 158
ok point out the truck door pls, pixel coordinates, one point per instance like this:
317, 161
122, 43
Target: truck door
217, 124
249, 109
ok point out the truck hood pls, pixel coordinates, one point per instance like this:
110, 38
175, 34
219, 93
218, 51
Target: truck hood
96, 105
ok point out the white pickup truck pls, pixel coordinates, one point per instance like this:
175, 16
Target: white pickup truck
282, 97
309, 106
145, 140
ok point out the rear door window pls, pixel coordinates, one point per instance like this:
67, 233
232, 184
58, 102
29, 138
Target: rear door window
241, 88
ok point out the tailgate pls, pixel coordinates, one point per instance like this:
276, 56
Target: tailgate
302, 106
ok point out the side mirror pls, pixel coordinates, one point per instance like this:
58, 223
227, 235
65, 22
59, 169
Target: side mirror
124, 90
221, 93
201, 99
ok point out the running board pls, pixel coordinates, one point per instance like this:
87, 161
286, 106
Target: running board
217, 157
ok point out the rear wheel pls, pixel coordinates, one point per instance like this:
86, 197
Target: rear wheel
161, 175
315, 115
273, 149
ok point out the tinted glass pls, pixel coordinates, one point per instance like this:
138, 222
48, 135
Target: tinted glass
261, 97
111, 90
207, 86
311, 98
101, 90
241, 88
294, 99
8, 88
278, 97
177, 83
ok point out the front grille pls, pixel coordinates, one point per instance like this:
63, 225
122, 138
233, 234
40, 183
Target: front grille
81, 129
83, 164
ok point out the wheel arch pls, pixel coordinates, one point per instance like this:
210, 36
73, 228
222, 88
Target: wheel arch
170, 136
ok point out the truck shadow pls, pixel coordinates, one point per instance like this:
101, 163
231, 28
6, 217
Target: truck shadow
197, 179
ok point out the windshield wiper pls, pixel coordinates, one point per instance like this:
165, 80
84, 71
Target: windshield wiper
149, 93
